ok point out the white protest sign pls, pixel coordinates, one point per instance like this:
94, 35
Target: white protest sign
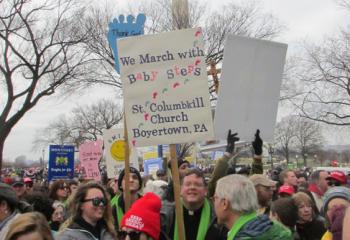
165, 88
250, 86
114, 144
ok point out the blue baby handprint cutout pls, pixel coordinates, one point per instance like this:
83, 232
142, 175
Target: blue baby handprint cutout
118, 28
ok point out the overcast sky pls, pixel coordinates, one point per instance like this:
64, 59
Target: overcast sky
305, 19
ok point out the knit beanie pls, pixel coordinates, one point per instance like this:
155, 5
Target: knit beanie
9, 195
144, 215
132, 170
180, 161
334, 192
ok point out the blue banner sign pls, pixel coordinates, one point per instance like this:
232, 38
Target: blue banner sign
61, 162
152, 165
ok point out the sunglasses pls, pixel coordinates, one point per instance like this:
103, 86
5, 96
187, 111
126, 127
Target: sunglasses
132, 235
97, 201
30, 185
333, 182
63, 187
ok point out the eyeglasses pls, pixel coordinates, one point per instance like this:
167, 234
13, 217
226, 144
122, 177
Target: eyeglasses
97, 201
333, 182
132, 235
29, 185
63, 187
195, 185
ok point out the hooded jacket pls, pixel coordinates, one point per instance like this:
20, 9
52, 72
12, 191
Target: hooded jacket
262, 228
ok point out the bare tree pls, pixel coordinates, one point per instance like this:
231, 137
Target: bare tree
246, 20
291, 87
308, 137
39, 55
344, 3
83, 123
58, 132
326, 75
94, 25
285, 134
160, 15
321, 156
327, 82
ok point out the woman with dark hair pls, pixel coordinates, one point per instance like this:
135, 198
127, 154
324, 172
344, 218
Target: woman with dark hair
72, 186
8, 208
59, 191
40, 202
90, 215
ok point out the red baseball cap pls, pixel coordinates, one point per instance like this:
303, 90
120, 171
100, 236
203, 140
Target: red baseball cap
27, 180
286, 189
338, 176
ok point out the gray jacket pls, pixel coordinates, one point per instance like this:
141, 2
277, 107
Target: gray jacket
82, 234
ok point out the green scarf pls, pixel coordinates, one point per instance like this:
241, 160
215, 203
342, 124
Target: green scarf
114, 200
242, 220
120, 213
203, 223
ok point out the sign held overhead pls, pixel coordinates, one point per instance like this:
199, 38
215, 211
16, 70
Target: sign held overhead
250, 85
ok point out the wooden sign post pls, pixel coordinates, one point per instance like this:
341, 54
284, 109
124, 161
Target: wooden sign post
165, 88
127, 169
177, 197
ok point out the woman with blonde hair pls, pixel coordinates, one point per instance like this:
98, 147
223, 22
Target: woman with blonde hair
29, 226
90, 215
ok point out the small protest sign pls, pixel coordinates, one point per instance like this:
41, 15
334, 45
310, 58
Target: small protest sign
120, 28
61, 162
151, 166
115, 152
250, 86
165, 85
90, 154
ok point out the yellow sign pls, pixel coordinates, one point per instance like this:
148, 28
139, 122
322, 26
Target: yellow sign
150, 155
118, 150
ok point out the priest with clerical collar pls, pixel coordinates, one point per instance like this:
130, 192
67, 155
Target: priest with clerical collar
199, 218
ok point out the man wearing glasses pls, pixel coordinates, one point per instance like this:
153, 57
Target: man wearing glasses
199, 217
264, 188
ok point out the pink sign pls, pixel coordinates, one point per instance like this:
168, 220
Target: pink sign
90, 154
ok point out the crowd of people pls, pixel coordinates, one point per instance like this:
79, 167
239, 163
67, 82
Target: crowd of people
305, 205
